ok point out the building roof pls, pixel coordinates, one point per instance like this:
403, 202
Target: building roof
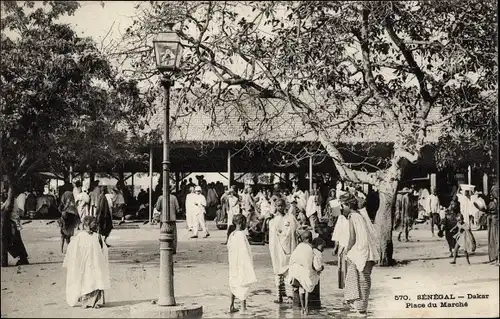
245, 123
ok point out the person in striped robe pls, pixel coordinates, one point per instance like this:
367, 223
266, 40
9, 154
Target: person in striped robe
361, 254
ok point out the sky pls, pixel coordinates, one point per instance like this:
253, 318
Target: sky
93, 20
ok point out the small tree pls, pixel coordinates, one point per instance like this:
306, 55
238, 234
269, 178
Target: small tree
336, 67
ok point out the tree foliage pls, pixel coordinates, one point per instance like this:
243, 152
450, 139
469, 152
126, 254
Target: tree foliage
62, 101
336, 64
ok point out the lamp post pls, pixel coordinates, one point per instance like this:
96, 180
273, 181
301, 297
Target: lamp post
168, 51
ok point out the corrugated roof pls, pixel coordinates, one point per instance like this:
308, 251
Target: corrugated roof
247, 122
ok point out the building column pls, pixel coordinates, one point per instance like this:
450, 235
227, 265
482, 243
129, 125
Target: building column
485, 184
229, 172
177, 179
433, 181
310, 173
469, 175
150, 183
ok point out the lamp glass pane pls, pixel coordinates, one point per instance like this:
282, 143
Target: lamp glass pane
166, 53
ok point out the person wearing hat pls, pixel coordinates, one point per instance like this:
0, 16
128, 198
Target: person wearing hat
200, 203
362, 252
190, 208
174, 210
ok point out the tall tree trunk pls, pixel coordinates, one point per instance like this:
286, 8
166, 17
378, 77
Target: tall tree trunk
6, 211
387, 188
91, 179
66, 176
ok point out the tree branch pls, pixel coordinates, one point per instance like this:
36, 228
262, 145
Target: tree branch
414, 68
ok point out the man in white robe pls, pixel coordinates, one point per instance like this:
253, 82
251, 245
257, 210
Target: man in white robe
200, 204
282, 242
190, 209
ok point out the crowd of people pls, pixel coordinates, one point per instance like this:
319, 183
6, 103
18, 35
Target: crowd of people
468, 210
290, 220
296, 248
72, 206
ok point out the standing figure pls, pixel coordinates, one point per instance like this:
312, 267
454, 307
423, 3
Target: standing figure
70, 218
83, 204
241, 270
87, 267
448, 224
493, 245
190, 209
212, 201
282, 242
12, 242
103, 215
233, 209
340, 237
313, 209
94, 197
200, 204
464, 239
434, 207
174, 210
362, 253
119, 207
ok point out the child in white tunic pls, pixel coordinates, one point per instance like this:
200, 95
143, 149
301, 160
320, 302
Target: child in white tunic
301, 272
241, 271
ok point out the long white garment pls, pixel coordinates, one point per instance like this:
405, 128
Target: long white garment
190, 211
241, 271
366, 246
199, 202
433, 204
341, 232
466, 207
76, 191
265, 207
21, 201
312, 207
82, 203
474, 211
335, 207
424, 200
87, 266
282, 241
301, 267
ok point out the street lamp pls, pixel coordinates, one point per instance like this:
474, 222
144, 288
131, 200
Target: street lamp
168, 52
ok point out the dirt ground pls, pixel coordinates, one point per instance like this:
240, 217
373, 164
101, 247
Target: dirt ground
201, 276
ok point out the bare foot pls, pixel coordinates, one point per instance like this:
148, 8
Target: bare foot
85, 306
233, 310
97, 307
279, 300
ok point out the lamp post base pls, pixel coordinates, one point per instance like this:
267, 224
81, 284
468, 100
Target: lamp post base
181, 310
